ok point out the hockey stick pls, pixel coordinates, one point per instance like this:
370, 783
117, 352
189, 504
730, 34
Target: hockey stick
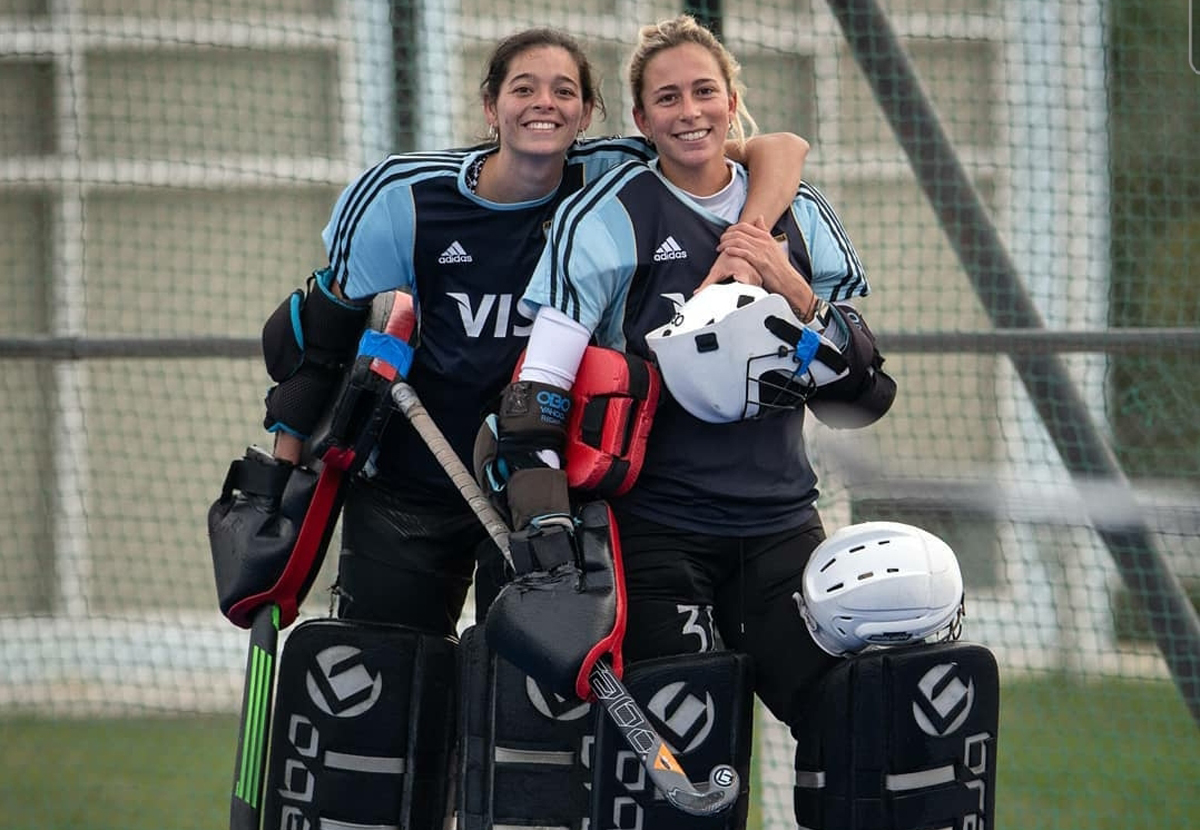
704, 799
249, 772
408, 402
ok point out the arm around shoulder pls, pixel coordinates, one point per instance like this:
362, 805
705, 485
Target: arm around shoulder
775, 162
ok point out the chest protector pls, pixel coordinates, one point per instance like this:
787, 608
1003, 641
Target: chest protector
612, 409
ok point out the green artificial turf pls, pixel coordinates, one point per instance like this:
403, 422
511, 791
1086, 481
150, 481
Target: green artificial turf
1105, 756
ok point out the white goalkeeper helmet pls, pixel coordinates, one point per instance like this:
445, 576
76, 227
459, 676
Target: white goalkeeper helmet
880, 583
734, 352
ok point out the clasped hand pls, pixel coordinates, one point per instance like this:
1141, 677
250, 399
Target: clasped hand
748, 253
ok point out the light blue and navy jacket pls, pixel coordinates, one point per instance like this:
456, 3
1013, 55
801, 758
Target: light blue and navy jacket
412, 222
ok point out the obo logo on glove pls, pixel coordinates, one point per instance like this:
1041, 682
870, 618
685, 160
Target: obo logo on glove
553, 407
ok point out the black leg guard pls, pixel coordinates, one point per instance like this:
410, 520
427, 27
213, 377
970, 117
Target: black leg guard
363, 727
900, 739
522, 749
702, 706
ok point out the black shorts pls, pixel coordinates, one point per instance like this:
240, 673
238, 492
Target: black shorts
411, 564
691, 592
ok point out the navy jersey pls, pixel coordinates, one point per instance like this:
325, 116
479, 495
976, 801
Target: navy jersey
623, 255
413, 223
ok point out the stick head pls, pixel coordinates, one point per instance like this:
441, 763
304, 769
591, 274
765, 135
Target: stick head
717, 795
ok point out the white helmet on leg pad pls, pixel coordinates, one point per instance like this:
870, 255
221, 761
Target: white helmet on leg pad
735, 352
880, 583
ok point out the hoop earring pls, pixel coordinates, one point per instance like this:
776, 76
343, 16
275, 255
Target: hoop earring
493, 134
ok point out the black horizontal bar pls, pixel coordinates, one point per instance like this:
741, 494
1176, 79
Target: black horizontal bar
997, 341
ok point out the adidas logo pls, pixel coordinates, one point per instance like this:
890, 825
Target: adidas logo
669, 249
455, 253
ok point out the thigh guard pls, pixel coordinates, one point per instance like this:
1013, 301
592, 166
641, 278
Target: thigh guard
522, 749
363, 727
702, 706
899, 739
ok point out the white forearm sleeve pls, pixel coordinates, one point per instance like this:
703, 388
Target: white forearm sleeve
555, 348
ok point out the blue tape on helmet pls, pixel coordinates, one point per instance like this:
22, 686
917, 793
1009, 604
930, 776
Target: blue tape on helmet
806, 349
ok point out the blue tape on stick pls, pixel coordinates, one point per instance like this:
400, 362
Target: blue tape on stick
388, 348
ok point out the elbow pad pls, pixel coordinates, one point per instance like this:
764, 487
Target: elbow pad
613, 401
866, 393
307, 343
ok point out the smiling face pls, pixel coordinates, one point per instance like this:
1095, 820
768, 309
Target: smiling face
686, 107
539, 107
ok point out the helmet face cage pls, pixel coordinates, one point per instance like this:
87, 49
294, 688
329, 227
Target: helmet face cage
777, 390
881, 583
722, 362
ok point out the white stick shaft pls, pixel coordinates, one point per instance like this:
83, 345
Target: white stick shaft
711, 797
408, 402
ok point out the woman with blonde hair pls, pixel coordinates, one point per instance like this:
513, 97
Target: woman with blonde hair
715, 533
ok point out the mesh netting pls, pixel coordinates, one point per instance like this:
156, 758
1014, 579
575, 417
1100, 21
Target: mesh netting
1021, 179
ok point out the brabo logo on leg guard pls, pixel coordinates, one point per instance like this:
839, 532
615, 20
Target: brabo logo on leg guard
554, 706
945, 701
299, 782
524, 750
343, 686
363, 728
340, 686
686, 719
901, 738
